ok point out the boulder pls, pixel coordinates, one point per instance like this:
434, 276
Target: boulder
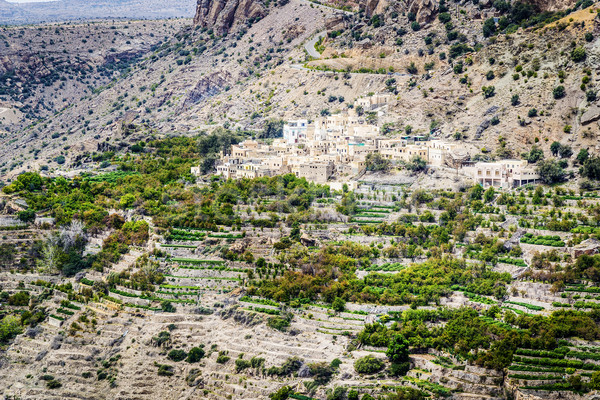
591, 115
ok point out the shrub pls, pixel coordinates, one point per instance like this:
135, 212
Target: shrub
167, 306
559, 92
53, 384
412, 69
241, 364
368, 365
196, 354
177, 355
591, 95
164, 370
488, 91
278, 323
444, 17
321, 372
223, 358
578, 54
514, 100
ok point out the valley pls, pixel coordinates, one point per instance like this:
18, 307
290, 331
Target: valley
375, 200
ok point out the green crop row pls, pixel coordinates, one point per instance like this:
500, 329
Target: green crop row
526, 305
518, 262
196, 261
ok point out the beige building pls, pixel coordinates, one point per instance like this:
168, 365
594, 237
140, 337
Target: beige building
504, 174
373, 102
318, 172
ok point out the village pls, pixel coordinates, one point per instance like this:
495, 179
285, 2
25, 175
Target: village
334, 149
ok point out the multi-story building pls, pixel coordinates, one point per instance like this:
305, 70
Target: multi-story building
318, 172
373, 102
295, 131
503, 174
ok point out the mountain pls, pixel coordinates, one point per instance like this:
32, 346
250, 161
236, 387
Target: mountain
12, 12
72, 10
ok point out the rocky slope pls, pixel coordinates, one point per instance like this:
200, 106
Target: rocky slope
199, 80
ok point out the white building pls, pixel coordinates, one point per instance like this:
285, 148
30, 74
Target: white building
504, 174
295, 131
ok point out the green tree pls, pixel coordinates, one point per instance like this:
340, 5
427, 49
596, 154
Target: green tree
444, 17
591, 95
565, 151
536, 154
591, 168
550, 171
397, 351
375, 162
26, 216
476, 192
281, 394
9, 328
368, 365
582, 156
489, 27
417, 164
338, 304
489, 195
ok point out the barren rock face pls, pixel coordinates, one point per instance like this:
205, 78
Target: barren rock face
222, 15
552, 5
425, 10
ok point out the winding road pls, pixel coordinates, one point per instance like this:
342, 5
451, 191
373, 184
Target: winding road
310, 45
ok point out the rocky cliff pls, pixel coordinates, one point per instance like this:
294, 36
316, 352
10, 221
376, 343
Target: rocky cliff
553, 5
425, 10
222, 15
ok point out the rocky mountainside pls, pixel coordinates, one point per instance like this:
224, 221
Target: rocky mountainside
223, 15
492, 89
